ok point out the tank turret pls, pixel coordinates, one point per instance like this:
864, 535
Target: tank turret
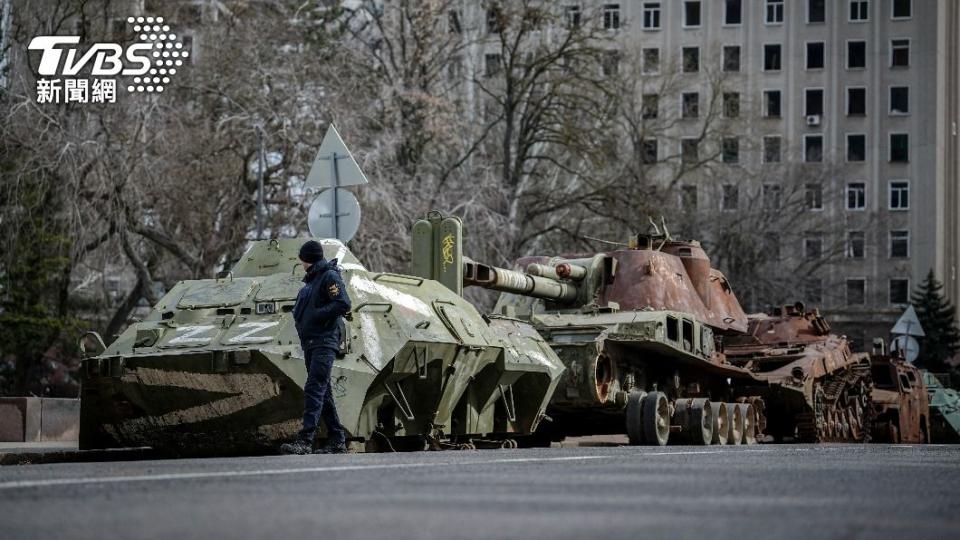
671, 275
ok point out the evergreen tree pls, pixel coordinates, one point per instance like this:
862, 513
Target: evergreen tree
936, 315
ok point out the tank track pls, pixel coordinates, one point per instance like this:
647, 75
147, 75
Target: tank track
842, 410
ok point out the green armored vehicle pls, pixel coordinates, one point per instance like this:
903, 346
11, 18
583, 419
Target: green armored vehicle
944, 411
216, 368
636, 330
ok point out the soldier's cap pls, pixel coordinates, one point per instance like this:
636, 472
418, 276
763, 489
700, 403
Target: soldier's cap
311, 252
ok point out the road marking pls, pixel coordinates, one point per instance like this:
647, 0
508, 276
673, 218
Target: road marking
306, 470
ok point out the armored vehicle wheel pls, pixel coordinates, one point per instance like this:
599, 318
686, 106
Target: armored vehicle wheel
749, 423
718, 418
635, 417
656, 419
704, 410
694, 415
894, 433
734, 424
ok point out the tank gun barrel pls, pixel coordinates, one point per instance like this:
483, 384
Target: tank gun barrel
571, 271
512, 281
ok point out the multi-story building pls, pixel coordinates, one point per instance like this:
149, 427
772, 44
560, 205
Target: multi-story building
866, 91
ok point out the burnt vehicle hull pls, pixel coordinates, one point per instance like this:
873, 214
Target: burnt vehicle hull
217, 369
636, 329
901, 407
817, 389
627, 354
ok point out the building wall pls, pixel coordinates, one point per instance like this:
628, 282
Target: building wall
948, 148
932, 168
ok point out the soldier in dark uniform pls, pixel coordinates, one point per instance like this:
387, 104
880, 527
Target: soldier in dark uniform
318, 310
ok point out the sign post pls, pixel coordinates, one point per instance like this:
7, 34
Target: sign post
335, 213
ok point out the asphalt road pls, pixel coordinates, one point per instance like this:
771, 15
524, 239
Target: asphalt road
835, 491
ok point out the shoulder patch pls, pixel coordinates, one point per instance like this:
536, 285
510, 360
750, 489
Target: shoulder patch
333, 290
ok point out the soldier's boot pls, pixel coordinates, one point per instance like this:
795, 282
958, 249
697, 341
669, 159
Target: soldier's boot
296, 447
333, 448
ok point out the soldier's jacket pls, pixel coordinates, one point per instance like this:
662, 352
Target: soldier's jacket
320, 304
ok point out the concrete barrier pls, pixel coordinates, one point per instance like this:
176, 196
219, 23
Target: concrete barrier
33, 419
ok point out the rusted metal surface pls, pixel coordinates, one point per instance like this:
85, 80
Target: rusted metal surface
819, 390
900, 401
678, 277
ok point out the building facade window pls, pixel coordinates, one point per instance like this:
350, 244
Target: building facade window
774, 11
732, 12
454, 26
816, 11
856, 54
491, 65
691, 59
771, 245
730, 200
610, 63
650, 106
689, 151
859, 10
856, 147
731, 104
899, 195
899, 100
651, 15
902, 9
813, 148
771, 149
856, 196
772, 196
611, 16
856, 245
690, 105
899, 147
856, 101
813, 290
899, 290
813, 245
651, 60
691, 13
649, 151
813, 196
899, 244
688, 198
731, 58
856, 291
730, 150
772, 57
771, 103
813, 101
494, 20
815, 56
573, 15
899, 53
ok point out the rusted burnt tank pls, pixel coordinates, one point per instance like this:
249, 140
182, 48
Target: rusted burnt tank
818, 389
901, 405
636, 329
216, 367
